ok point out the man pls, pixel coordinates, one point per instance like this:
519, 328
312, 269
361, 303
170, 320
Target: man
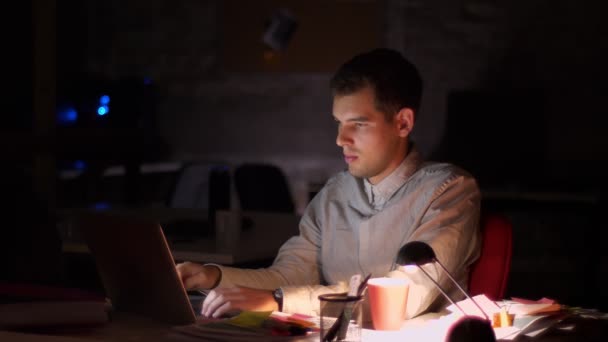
359, 220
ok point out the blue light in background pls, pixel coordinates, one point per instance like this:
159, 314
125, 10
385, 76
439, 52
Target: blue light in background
101, 206
79, 165
102, 110
104, 99
67, 115
147, 80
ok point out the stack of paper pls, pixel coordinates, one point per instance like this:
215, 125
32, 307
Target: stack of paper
248, 326
520, 306
531, 317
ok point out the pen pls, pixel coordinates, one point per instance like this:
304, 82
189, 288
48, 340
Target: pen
340, 326
356, 290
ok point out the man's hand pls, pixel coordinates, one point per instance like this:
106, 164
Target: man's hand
232, 300
196, 276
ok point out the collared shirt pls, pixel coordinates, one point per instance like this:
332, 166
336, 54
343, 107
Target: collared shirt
342, 234
379, 194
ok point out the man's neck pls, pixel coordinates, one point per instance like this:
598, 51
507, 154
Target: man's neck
394, 165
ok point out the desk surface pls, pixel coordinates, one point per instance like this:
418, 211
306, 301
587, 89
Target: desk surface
123, 327
260, 241
126, 327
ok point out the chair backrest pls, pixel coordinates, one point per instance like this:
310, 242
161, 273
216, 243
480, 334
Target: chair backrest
202, 185
490, 273
263, 187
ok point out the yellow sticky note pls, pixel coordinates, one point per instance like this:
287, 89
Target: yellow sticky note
250, 319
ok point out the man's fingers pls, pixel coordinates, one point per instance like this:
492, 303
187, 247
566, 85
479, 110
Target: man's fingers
213, 301
229, 300
222, 309
219, 302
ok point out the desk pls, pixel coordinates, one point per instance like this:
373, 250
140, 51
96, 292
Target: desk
261, 241
122, 328
127, 327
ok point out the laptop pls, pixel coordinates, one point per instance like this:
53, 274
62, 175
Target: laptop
137, 268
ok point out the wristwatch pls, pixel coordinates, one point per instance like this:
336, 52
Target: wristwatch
277, 294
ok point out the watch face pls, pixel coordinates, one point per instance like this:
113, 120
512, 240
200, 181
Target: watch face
278, 297
278, 293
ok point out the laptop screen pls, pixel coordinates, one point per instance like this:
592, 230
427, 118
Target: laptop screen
136, 267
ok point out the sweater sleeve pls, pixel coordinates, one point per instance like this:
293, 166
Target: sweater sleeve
450, 225
296, 269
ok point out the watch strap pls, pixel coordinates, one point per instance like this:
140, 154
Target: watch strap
277, 294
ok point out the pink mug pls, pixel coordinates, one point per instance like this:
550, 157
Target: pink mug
388, 299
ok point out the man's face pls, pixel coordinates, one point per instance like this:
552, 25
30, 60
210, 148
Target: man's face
372, 147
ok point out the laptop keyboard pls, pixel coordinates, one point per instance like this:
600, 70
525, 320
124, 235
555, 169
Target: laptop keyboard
196, 301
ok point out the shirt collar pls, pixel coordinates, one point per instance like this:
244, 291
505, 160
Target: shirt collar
380, 193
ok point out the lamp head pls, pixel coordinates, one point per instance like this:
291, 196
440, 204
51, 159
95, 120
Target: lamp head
415, 253
471, 329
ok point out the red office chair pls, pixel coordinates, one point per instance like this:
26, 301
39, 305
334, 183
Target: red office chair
489, 274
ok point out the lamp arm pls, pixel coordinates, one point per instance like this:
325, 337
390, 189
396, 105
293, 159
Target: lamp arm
441, 290
462, 290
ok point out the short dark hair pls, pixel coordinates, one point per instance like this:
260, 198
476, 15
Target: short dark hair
395, 81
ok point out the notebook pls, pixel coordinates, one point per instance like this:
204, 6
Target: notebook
136, 267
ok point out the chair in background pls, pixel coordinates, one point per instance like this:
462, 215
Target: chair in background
204, 186
490, 273
263, 187
191, 187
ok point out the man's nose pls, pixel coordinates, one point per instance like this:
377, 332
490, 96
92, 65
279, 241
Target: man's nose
342, 138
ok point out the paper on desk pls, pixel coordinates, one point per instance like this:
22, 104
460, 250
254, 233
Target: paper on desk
246, 326
531, 325
300, 319
543, 300
525, 314
221, 331
433, 329
427, 327
487, 305
531, 317
533, 309
521, 306
506, 333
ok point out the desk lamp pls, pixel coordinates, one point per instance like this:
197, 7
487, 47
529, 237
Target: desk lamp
469, 328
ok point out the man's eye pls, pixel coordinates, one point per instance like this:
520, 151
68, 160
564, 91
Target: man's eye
359, 124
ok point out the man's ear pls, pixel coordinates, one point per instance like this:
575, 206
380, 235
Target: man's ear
404, 120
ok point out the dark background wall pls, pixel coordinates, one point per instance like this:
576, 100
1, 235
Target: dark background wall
507, 84
513, 94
